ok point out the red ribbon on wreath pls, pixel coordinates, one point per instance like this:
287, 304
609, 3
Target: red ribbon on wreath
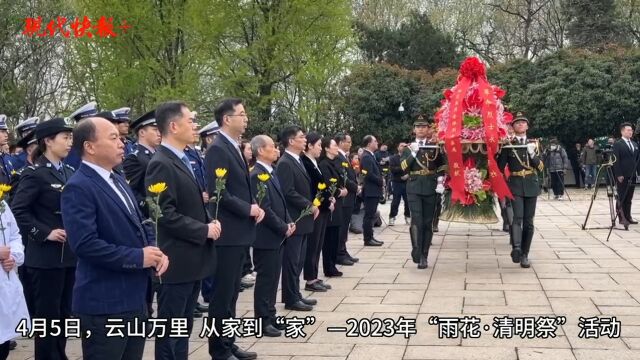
472, 70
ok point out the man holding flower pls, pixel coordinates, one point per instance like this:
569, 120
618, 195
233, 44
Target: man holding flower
236, 208
277, 224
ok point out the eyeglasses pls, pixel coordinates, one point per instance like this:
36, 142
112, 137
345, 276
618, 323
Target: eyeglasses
243, 115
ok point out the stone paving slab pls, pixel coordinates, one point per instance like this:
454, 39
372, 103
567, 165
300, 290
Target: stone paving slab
574, 273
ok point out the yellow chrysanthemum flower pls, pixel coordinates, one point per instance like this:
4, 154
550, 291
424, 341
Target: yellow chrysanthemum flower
264, 177
364, 172
221, 172
5, 188
344, 164
322, 186
157, 188
316, 202
333, 180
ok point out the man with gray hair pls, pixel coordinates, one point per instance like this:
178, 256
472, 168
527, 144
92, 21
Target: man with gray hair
270, 233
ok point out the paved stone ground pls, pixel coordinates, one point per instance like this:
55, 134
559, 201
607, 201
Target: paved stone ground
574, 273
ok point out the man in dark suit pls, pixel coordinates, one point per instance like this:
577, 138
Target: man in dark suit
371, 189
239, 213
114, 249
625, 170
344, 145
295, 184
270, 233
184, 231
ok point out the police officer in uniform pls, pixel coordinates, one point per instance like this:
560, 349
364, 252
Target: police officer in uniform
23, 129
423, 186
207, 134
135, 164
85, 111
122, 123
49, 261
6, 165
523, 165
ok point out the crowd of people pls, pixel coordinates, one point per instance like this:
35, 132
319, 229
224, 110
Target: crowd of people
103, 224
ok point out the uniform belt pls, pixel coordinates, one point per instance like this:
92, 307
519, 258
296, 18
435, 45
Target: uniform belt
422, 172
522, 173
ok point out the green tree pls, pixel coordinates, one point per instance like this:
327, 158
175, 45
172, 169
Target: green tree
282, 57
160, 57
594, 24
415, 45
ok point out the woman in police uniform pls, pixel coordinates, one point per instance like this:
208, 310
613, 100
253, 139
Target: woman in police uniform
48, 257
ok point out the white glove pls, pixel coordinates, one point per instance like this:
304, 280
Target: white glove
440, 188
440, 179
414, 147
531, 148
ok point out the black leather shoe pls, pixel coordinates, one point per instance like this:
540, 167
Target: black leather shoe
316, 286
345, 262
631, 221
524, 262
326, 286
197, 313
202, 308
299, 306
245, 355
423, 263
516, 254
353, 259
271, 331
435, 229
12, 345
333, 273
281, 327
372, 242
309, 302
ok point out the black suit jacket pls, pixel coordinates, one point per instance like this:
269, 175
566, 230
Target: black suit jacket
36, 207
351, 184
626, 161
295, 181
331, 170
182, 229
317, 177
135, 168
372, 186
271, 231
238, 227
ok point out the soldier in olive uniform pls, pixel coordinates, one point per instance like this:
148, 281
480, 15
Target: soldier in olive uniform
523, 164
422, 165
49, 261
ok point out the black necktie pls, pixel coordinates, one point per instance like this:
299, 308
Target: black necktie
123, 192
522, 141
421, 143
275, 180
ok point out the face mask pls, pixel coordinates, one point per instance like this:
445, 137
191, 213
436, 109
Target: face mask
554, 147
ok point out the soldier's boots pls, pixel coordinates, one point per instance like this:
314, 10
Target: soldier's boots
524, 261
423, 262
415, 250
516, 238
424, 254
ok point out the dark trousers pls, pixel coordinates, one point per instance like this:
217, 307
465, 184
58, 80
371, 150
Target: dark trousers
626, 189
23, 275
557, 182
314, 246
399, 192
268, 263
4, 350
524, 210
51, 290
344, 232
578, 174
248, 263
330, 249
100, 347
423, 208
176, 301
225, 295
294, 253
207, 288
370, 208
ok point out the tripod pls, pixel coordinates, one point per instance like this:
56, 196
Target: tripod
612, 195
